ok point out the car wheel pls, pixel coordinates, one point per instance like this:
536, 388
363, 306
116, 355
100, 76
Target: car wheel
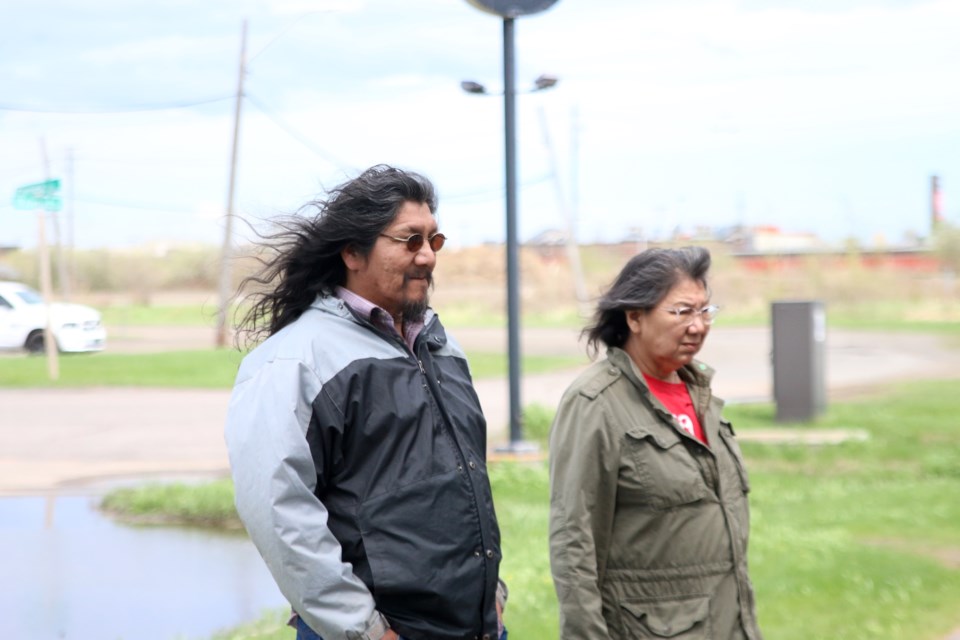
34, 343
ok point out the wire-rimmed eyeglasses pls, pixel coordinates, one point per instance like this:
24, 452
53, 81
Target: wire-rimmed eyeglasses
686, 315
415, 242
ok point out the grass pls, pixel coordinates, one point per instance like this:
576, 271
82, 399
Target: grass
882, 316
205, 315
204, 369
897, 316
857, 540
272, 625
208, 369
475, 316
860, 540
176, 315
205, 505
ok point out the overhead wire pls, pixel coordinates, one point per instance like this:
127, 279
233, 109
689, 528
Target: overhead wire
282, 33
487, 194
123, 109
127, 205
299, 137
475, 196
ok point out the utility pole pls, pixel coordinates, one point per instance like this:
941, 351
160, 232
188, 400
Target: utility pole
49, 341
575, 171
55, 218
226, 255
573, 250
46, 287
67, 282
43, 197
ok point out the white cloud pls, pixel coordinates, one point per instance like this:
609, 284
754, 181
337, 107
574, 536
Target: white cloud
710, 111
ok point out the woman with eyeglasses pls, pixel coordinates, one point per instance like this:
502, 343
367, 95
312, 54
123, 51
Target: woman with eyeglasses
648, 509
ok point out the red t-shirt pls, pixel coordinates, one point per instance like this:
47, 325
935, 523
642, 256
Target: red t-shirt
676, 399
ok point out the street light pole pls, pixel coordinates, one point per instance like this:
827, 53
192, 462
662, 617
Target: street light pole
513, 271
509, 10
545, 81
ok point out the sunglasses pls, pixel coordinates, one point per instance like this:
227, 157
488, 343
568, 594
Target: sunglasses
415, 242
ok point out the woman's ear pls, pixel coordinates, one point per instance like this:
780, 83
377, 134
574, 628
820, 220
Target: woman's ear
634, 319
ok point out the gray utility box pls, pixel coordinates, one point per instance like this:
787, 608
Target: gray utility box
799, 359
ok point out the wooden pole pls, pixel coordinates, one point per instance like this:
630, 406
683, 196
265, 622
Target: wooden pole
55, 218
68, 272
46, 281
226, 255
46, 288
573, 249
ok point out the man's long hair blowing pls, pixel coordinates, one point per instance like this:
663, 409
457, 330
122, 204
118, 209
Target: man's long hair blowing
303, 258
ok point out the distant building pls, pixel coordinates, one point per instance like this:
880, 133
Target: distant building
771, 239
550, 244
915, 259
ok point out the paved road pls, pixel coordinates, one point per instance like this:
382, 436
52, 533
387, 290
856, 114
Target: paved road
78, 440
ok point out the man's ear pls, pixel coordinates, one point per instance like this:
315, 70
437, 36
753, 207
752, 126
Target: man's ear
351, 257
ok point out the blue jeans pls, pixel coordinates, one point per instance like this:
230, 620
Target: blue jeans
306, 633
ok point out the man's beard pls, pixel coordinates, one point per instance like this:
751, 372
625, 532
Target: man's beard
414, 310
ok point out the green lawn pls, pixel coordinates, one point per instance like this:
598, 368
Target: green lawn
879, 316
180, 315
853, 541
207, 369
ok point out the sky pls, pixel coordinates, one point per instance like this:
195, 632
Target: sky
822, 116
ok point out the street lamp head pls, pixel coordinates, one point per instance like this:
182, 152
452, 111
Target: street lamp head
512, 8
545, 81
471, 86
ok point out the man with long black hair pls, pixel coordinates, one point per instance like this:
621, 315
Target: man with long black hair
356, 439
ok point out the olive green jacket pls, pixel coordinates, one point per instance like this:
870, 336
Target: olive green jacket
648, 527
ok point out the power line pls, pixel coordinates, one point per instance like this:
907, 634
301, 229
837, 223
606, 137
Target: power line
117, 109
487, 194
127, 205
120, 205
283, 33
299, 137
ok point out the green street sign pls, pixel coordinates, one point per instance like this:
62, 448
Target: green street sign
45, 195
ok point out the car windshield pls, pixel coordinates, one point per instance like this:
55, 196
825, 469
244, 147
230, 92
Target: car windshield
30, 296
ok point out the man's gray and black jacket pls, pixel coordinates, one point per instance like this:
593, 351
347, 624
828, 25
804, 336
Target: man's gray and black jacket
360, 475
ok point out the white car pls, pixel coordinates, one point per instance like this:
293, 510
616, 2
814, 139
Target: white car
23, 315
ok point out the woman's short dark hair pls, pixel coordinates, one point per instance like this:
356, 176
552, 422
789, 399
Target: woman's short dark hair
642, 283
303, 255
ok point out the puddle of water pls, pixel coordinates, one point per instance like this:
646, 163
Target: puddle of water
68, 572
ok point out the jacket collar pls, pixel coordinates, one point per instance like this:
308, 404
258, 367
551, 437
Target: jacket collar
336, 306
696, 373
432, 330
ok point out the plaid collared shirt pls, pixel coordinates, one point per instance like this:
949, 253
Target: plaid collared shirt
379, 316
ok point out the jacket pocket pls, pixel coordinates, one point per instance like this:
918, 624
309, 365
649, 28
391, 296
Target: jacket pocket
681, 618
662, 473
